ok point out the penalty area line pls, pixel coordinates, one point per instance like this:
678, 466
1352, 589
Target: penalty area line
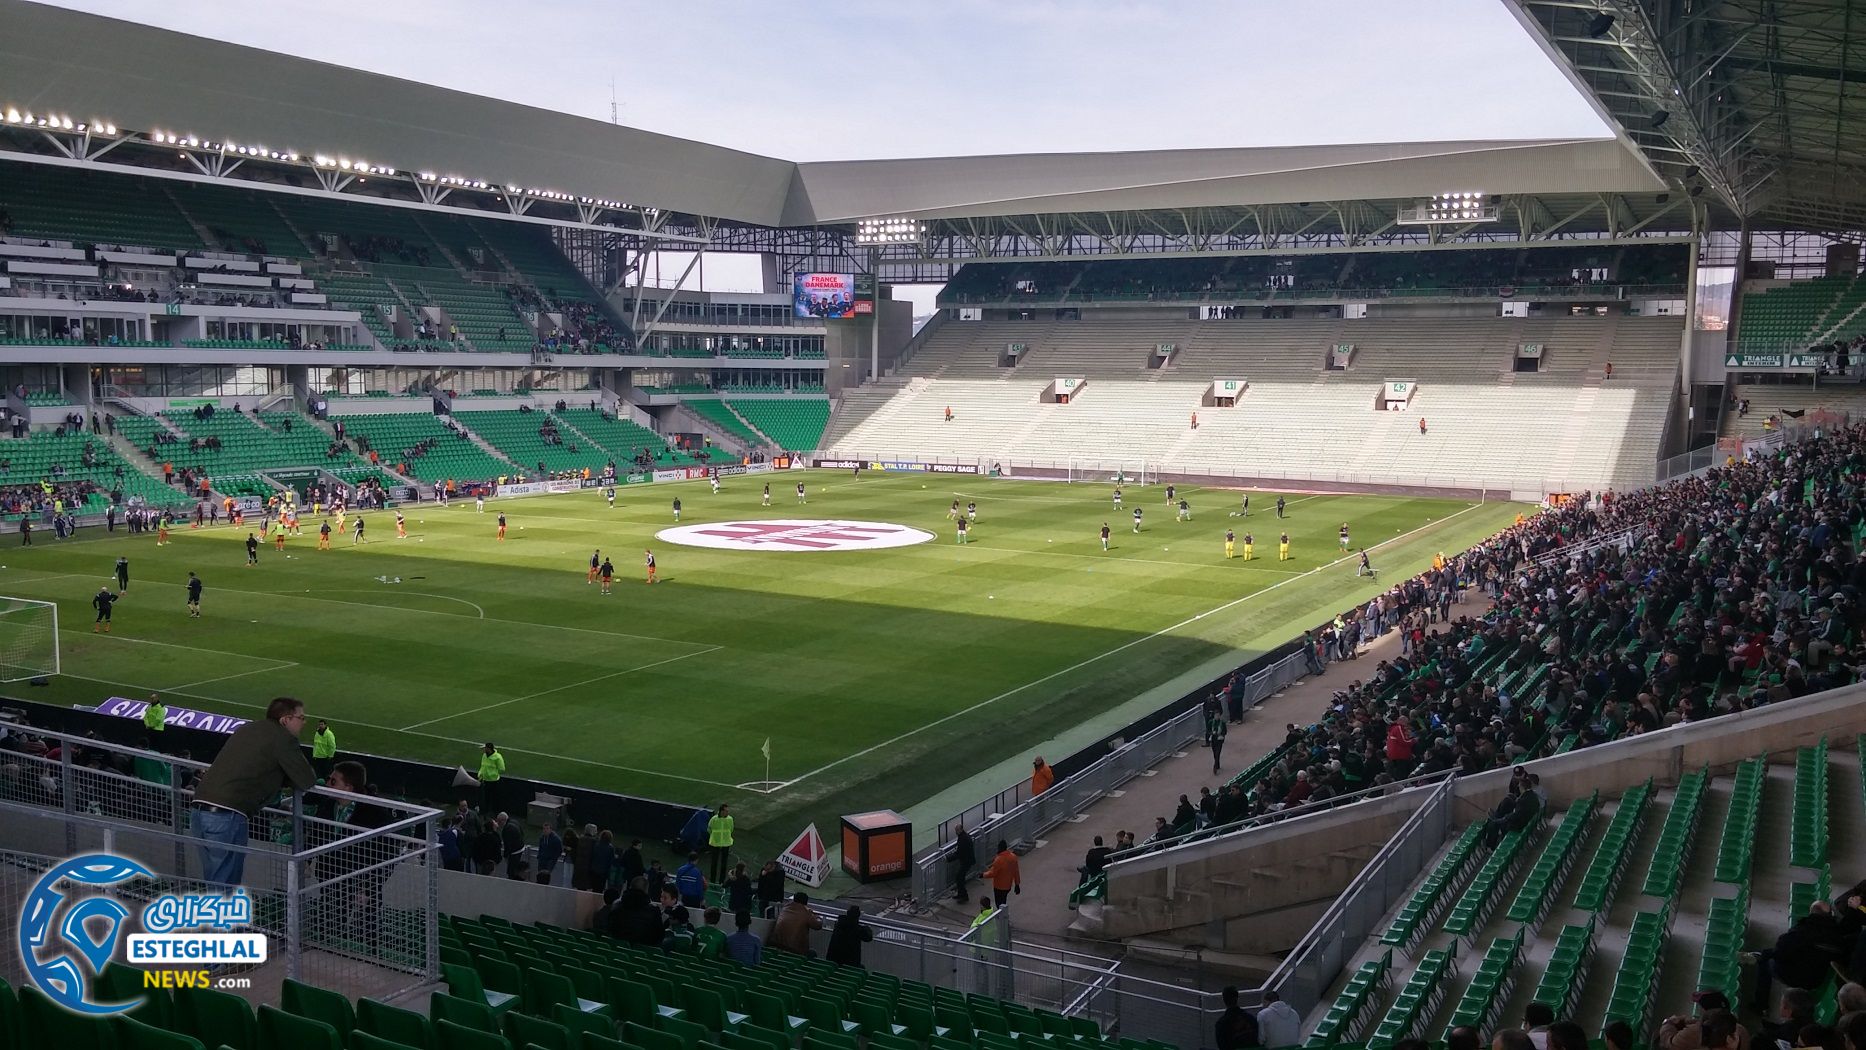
560, 688
1052, 676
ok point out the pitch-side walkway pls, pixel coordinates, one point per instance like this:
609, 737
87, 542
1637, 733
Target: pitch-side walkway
1042, 912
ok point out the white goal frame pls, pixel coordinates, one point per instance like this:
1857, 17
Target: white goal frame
28, 639
1135, 472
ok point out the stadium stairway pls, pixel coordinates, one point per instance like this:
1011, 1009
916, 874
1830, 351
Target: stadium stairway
1622, 912
1050, 871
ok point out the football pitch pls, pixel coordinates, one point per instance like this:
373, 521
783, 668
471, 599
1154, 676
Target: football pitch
880, 676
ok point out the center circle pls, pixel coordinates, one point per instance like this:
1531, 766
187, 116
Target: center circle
795, 534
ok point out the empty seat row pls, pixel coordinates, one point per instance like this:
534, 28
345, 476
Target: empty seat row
1551, 870
1609, 863
1737, 848
1673, 851
1421, 911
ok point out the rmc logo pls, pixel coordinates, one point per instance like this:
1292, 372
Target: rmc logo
792, 534
70, 928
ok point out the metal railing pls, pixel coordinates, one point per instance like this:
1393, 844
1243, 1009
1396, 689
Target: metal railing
1312, 965
1621, 538
1018, 817
340, 884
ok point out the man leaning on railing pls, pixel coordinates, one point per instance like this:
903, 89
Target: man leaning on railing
260, 758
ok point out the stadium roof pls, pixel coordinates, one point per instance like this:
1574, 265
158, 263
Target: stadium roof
1758, 101
143, 78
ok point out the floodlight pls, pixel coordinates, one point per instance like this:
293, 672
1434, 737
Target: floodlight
1659, 118
889, 230
1598, 26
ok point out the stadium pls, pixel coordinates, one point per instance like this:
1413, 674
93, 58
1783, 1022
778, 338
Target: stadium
436, 616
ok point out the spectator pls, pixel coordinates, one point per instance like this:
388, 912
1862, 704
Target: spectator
550, 851
1041, 776
491, 771
256, 762
641, 921
1718, 1030
1511, 1039
678, 939
1802, 958
487, 848
744, 945
964, 859
791, 932
1795, 1013
1537, 1016
1463, 1037
739, 890
1566, 1035
1235, 1029
709, 939
1278, 1023
512, 843
846, 940
452, 857
1679, 1032
1618, 1035
1097, 860
719, 828
770, 888
690, 882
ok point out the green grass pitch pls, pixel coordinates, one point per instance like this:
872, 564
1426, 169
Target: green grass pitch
880, 677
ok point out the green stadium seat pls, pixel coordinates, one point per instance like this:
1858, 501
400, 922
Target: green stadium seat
217, 1018
319, 1004
135, 1035
451, 1036
393, 1023
278, 1028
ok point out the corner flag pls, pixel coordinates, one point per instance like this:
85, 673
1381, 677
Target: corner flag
766, 750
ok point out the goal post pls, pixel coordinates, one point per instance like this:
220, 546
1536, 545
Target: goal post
28, 639
1113, 471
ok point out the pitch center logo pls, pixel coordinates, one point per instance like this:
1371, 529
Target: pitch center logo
795, 534
72, 924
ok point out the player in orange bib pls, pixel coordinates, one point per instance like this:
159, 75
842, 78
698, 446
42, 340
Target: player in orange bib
162, 529
649, 559
502, 528
401, 526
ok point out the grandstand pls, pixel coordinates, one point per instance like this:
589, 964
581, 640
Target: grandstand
1592, 433
1672, 672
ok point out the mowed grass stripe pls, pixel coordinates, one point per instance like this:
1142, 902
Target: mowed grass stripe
826, 654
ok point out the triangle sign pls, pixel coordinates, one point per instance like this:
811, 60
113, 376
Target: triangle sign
806, 859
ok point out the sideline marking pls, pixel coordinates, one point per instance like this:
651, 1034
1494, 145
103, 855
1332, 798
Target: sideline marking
561, 688
1118, 649
424, 594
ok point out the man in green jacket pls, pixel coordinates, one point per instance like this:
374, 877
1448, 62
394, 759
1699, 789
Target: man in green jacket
323, 749
491, 771
260, 758
719, 840
155, 716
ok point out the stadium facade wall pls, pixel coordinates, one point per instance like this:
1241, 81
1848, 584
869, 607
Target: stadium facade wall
1256, 890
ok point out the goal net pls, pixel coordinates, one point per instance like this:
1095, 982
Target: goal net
1113, 471
28, 639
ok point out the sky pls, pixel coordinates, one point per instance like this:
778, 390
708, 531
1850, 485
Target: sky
854, 79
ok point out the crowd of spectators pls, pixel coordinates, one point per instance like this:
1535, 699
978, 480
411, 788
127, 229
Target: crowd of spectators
1710, 595
376, 248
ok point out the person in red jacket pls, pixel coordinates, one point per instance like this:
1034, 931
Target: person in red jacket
1399, 750
1041, 776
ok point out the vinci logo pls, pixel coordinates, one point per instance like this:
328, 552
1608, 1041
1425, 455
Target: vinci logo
794, 534
71, 925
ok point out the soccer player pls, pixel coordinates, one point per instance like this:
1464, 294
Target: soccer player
1185, 511
714, 478
1244, 507
401, 526
1117, 497
342, 512
479, 502
123, 574
676, 508
596, 564
1365, 568
1250, 546
1282, 548
356, 535
194, 596
102, 603
278, 535
607, 571
971, 511
952, 513
162, 529
767, 496
961, 530
1104, 535
323, 536
1231, 544
252, 549
1342, 535
1279, 507
800, 498
1170, 500
1136, 520
501, 526
610, 493
648, 558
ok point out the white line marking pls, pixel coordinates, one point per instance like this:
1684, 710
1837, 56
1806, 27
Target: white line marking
424, 594
560, 688
431, 736
1113, 558
1103, 656
436, 612
205, 681
169, 645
